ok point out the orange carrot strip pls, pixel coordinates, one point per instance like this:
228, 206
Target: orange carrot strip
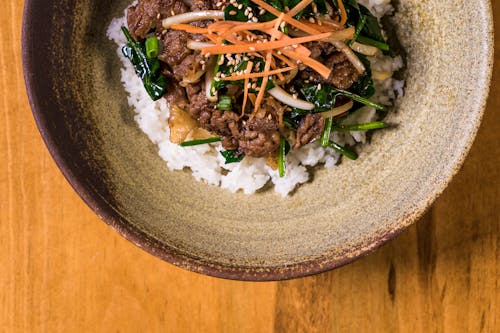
295, 10
255, 75
322, 28
250, 26
245, 89
284, 59
300, 49
265, 79
286, 18
189, 28
228, 49
343, 13
316, 65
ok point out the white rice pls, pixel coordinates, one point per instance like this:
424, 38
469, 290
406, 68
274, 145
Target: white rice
205, 161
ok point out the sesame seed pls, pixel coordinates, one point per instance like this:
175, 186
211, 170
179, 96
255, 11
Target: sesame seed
254, 85
319, 86
172, 12
203, 67
295, 96
249, 85
240, 6
254, 19
246, 12
295, 46
158, 16
218, 4
282, 25
262, 11
221, 61
251, 48
223, 75
232, 12
311, 19
250, 15
164, 32
207, 55
216, 79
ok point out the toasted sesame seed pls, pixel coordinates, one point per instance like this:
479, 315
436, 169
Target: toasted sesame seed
254, 85
251, 48
250, 15
311, 19
295, 96
262, 11
319, 86
164, 32
254, 19
218, 4
172, 12
282, 25
240, 6
295, 46
158, 16
232, 12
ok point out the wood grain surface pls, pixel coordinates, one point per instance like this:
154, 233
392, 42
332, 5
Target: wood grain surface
64, 270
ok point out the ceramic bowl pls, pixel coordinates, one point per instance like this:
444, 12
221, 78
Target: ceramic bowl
73, 82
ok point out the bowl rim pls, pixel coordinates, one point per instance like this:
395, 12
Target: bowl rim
153, 246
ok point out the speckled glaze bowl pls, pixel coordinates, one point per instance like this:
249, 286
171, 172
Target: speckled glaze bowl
73, 82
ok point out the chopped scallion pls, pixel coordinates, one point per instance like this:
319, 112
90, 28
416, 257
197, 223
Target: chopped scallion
152, 47
200, 142
281, 157
359, 27
343, 150
325, 138
380, 45
361, 127
224, 103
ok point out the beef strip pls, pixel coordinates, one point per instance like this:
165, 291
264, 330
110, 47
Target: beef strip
174, 47
188, 66
259, 137
148, 14
310, 127
343, 73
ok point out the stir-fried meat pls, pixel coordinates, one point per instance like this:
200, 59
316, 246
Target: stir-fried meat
175, 47
343, 73
176, 95
259, 138
188, 68
311, 126
148, 14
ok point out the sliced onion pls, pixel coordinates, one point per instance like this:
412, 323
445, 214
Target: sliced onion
338, 110
349, 54
209, 77
193, 78
284, 97
381, 75
197, 45
364, 49
193, 16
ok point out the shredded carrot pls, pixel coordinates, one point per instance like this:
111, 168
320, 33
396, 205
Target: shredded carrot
229, 49
284, 59
189, 28
263, 86
300, 49
316, 65
343, 13
249, 26
321, 28
249, 75
287, 18
295, 10
245, 88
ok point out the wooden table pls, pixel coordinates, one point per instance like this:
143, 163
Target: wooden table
63, 270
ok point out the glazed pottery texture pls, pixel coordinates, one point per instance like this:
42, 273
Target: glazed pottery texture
73, 80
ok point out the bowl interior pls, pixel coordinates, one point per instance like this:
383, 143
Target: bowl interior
73, 79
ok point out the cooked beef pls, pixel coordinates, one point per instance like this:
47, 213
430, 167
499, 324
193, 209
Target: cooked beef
187, 67
176, 95
148, 14
310, 127
174, 47
259, 138
343, 73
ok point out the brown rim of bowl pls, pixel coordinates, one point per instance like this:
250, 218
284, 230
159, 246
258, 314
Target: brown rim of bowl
156, 248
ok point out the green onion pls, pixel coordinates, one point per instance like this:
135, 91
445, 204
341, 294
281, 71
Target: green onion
152, 47
362, 100
377, 44
224, 103
359, 27
325, 138
281, 157
343, 150
361, 127
200, 142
